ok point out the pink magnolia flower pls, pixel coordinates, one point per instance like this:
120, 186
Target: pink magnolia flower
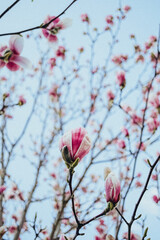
127, 8
85, 18
62, 237
121, 79
52, 62
155, 177
77, 142
119, 59
133, 236
109, 19
121, 143
152, 124
12, 229
54, 27
22, 100
155, 199
2, 189
125, 132
110, 95
61, 52
53, 93
10, 57
112, 187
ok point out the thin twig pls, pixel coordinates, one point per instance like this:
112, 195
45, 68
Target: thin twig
9, 8
39, 26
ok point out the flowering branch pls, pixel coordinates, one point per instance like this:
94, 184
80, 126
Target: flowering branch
44, 26
141, 196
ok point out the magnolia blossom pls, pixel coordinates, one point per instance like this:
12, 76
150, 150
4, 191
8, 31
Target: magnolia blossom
109, 19
62, 237
156, 199
119, 59
125, 132
112, 187
121, 143
53, 93
110, 95
54, 27
52, 62
121, 79
61, 52
85, 18
10, 56
153, 124
133, 236
127, 8
22, 100
2, 189
77, 142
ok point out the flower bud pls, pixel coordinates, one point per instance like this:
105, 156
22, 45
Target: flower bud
75, 145
112, 188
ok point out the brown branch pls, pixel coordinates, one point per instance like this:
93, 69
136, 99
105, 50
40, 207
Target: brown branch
72, 196
141, 134
16, 237
141, 196
39, 26
9, 8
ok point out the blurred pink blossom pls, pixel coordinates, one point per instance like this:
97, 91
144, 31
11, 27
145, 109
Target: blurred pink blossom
2, 189
156, 199
85, 18
22, 100
109, 19
54, 27
61, 52
127, 8
121, 79
133, 236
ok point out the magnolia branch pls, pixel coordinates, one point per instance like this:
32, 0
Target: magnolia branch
9, 8
39, 26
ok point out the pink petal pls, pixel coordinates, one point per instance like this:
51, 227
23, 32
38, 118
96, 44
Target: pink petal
12, 66
16, 44
21, 61
84, 148
66, 22
45, 33
66, 140
2, 64
62, 237
77, 137
112, 188
52, 38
